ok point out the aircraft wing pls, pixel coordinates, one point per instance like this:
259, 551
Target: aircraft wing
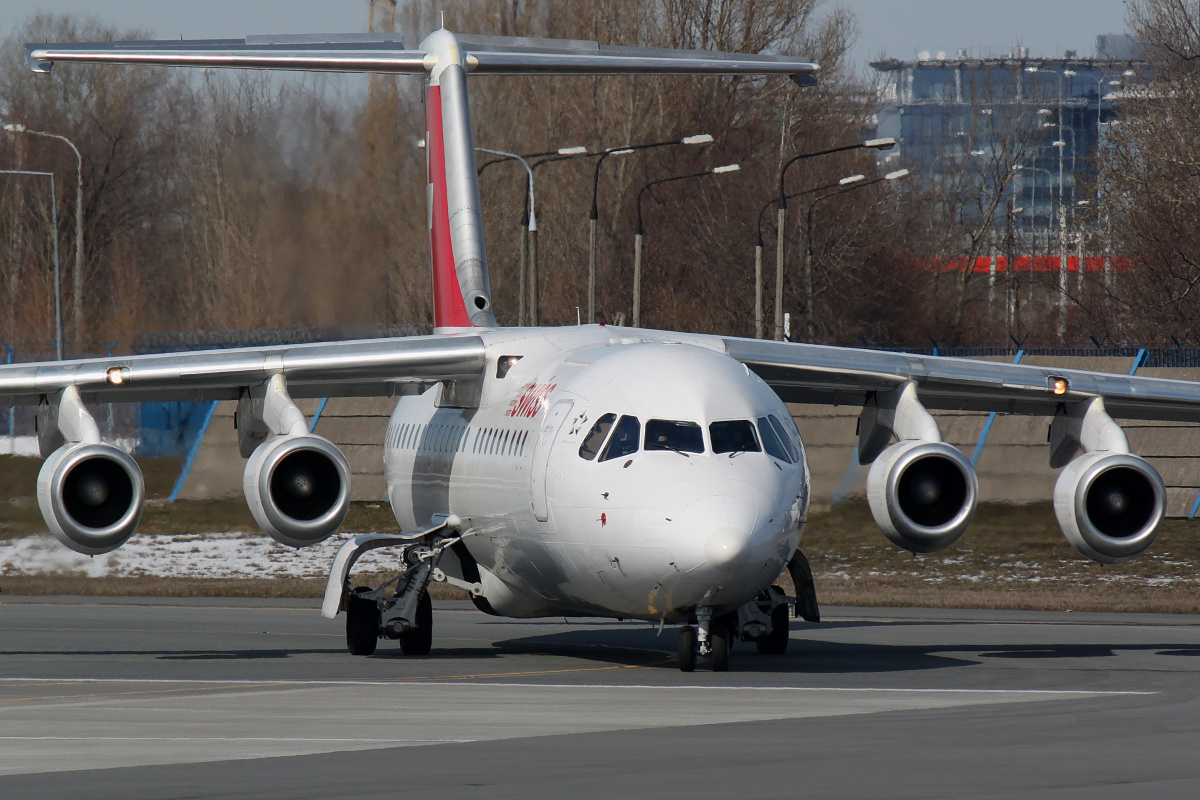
807, 373
375, 367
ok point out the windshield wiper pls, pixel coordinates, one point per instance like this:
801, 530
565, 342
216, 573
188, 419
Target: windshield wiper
662, 446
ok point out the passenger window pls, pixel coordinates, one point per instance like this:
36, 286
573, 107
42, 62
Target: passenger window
770, 440
786, 437
683, 437
734, 436
624, 440
595, 437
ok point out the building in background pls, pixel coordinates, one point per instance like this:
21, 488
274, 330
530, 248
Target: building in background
1047, 116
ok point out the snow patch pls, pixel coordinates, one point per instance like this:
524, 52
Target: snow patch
213, 555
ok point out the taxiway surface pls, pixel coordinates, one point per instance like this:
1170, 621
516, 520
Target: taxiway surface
208, 698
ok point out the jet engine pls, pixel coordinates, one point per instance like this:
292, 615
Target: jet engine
1110, 505
298, 488
922, 494
91, 496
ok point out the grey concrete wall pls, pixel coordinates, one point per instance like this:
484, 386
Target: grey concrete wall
1013, 466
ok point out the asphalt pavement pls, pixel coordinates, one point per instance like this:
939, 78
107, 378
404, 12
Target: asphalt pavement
190, 698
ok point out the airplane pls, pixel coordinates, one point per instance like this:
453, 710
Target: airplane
589, 470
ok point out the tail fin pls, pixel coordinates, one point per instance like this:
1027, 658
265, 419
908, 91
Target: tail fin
461, 292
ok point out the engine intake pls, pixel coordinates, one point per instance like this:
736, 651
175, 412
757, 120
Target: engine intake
298, 488
91, 496
922, 494
1110, 506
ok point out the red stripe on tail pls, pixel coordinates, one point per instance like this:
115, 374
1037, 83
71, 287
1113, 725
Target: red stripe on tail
449, 310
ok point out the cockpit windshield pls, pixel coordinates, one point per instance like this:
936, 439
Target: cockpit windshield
771, 441
595, 438
681, 437
624, 440
733, 436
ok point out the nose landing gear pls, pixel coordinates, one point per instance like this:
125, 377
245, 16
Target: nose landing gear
711, 637
764, 621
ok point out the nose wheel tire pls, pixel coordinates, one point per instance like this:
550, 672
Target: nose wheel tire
775, 643
687, 649
362, 624
418, 641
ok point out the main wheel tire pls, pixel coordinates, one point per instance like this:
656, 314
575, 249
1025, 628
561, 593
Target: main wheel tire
362, 623
687, 649
720, 641
419, 640
775, 643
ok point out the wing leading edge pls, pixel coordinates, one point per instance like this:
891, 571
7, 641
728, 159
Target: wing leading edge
376, 367
806, 373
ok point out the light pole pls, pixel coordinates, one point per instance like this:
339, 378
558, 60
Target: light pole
528, 224
528, 220
77, 277
58, 320
594, 215
640, 230
758, 245
810, 293
535, 293
781, 221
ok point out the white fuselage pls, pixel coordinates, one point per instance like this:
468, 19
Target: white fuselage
651, 533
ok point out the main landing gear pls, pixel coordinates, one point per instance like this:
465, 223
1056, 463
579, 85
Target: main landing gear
400, 609
764, 621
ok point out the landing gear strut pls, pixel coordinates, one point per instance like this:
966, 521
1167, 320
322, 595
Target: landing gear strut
399, 609
711, 637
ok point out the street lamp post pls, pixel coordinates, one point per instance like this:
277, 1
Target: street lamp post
810, 293
781, 221
77, 276
594, 215
528, 223
640, 230
58, 320
758, 245
534, 280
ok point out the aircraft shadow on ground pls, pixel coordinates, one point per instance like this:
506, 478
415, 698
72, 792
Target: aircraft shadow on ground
811, 656
642, 646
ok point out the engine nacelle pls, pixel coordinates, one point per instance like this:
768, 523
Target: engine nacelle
91, 496
298, 488
922, 494
1110, 505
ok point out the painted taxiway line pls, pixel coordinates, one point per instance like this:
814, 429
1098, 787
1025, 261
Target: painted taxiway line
233, 684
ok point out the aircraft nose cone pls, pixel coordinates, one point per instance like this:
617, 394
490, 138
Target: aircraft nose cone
728, 548
717, 533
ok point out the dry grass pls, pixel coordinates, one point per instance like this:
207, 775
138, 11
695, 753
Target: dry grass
1013, 557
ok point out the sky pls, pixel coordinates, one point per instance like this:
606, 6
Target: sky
897, 28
